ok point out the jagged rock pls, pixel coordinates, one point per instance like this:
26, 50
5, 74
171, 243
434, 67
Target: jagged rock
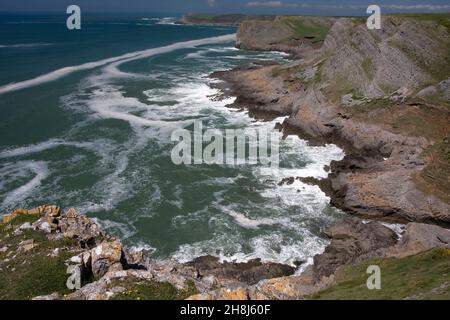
108, 256
223, 294
289, 288
351, 239
77, 226
135, 258
50, 211
421, 237
102, 289
248, 273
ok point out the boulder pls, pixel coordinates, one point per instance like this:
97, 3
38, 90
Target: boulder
108, 256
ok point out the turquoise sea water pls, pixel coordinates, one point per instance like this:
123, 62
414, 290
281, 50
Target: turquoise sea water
96, 137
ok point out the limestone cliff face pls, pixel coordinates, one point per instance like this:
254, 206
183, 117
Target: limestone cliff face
404, 65
404, 56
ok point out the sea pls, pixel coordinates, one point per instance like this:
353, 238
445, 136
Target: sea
86, 118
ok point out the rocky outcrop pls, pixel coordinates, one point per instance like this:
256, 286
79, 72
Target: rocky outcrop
243, 273
375, 180
49, 211
296, 35
76, 226
105, 270
420, 237
351, 241
403, 56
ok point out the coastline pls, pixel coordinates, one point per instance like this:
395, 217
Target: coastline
352, 185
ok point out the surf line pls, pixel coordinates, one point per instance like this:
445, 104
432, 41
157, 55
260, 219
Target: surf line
60, 73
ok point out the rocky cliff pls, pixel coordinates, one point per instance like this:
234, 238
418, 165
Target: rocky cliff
46, 255
295, 35
380, 94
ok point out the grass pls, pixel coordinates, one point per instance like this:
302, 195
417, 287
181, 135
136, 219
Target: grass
439, 18
306, 29
152, 290
435, 178
368, 68
423, 276
33, 273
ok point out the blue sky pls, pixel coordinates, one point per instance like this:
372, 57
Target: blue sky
318, 7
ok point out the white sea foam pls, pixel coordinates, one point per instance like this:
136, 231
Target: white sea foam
57, 74
25, 45
39, 147
268, 248
246, 222
40, 171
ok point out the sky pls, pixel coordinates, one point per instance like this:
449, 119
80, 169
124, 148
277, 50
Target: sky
306, 7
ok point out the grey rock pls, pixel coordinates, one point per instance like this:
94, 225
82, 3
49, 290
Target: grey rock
352, 239
421, 237
74, 225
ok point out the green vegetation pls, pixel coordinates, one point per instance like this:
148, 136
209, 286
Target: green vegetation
152, 290
439, 18
438, 68
368, 68
435, 178
423, 276
35, 272
306, 28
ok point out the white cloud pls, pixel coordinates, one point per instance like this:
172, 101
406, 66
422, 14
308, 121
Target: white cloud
265, 4
431, 7
212, 3
277, 4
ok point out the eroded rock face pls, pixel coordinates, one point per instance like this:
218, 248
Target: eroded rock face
49, 211
280, 34
248, 273
352, 239
108, 256
421, 237
76, 226
375, 60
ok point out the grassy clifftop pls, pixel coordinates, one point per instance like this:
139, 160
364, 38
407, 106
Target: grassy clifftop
420, 277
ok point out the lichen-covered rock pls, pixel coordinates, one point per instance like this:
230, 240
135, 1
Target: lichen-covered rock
77, 226
237, 294
108, 256
49, 211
